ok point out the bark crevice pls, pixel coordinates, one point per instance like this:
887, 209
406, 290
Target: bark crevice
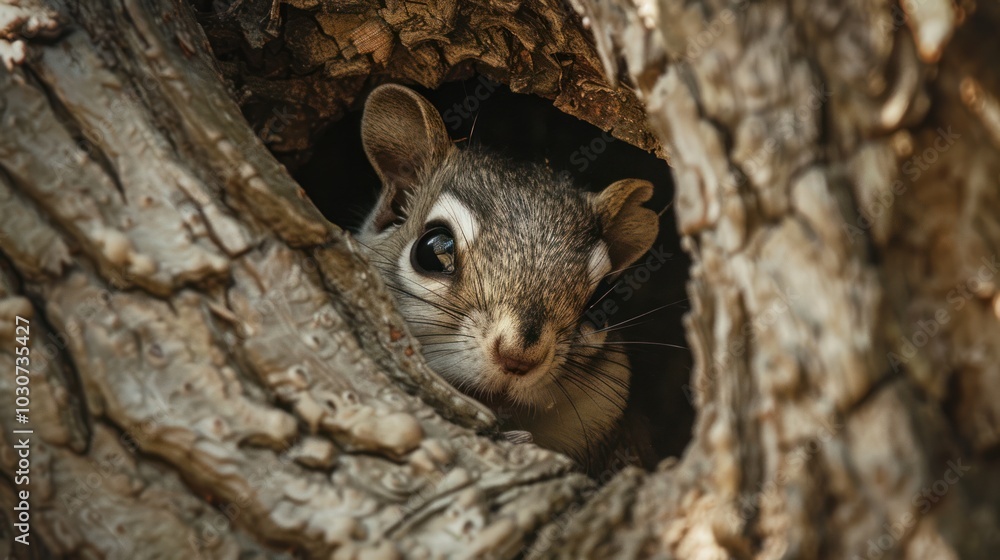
202, 286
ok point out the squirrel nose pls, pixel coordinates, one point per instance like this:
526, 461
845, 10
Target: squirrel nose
514, 362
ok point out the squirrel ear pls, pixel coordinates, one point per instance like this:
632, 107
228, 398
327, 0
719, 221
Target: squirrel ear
403, 136
629, 229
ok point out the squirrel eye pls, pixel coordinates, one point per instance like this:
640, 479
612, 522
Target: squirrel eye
434, 252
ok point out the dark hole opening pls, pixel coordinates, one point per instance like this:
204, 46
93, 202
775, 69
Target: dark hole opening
652, 299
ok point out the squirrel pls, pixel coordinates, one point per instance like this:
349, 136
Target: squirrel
494, 265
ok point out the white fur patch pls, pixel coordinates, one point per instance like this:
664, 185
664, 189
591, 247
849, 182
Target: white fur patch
505, 326
451, 211
599, 264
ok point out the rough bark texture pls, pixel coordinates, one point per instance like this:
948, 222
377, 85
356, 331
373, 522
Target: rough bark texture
837, 178
299, 65
216, 371
213, 363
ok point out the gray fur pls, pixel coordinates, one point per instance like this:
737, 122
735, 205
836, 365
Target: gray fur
524, 279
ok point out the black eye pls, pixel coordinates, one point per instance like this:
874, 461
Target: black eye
434, 252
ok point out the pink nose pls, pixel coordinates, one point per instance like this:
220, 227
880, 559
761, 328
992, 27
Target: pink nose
514, 363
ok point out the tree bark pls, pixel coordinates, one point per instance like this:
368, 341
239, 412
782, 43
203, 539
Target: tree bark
216, 372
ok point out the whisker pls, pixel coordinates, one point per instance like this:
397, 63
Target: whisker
600, 375
641, 315
608, 344
591, 390
600, 299
583, 426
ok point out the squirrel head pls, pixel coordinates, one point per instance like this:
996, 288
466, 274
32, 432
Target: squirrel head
494, 263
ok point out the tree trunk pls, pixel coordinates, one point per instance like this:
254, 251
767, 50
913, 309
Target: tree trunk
216, 372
